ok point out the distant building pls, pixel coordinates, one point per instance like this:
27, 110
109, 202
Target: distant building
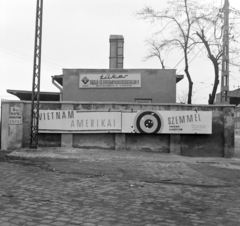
118, 85
234, 97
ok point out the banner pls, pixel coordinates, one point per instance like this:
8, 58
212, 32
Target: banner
79, 121
168, 122
147, 121
110, 80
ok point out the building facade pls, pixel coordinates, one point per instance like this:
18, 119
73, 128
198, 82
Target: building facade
121, 109
118, 85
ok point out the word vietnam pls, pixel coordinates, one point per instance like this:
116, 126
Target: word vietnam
75, 120
52, 115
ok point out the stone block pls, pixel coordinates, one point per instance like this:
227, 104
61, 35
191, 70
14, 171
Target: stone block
175, 144
228, 146
67, 138
120, 141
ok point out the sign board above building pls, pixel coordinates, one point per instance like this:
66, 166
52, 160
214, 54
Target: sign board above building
148, 121
110, 80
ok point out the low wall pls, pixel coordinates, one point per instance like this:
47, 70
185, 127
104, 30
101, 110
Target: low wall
218, 144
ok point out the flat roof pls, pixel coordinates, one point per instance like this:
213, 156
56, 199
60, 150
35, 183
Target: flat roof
58, 79
27, 95
179, 78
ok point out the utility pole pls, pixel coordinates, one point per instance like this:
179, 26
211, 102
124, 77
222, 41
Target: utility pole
225, 57
36, 76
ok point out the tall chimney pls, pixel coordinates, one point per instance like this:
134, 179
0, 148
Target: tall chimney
116, 51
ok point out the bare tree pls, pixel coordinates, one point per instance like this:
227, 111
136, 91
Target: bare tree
182, 97
210, 33
215, 57
155, 50
179, 20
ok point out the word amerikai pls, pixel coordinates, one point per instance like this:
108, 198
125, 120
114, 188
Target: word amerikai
70, 116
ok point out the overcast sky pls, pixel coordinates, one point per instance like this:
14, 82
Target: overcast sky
76, 35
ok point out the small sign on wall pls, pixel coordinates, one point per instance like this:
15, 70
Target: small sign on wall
15, 116
110, 80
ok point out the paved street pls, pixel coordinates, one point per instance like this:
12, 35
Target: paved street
96, 187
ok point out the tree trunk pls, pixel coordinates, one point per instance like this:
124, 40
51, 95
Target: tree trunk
162, 63
215, 64
190, 83
216, 81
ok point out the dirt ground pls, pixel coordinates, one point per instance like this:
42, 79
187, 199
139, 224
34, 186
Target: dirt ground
67, 186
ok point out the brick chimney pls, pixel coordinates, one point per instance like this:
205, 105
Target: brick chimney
116, 51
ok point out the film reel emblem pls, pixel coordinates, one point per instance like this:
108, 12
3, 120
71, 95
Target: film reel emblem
147, 122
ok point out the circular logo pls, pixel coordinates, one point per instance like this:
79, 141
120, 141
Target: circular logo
147, 122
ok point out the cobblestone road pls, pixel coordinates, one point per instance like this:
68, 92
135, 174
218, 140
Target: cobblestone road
112, 188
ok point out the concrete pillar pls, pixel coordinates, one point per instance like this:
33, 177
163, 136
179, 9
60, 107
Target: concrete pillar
67, 138
12, 125
120, 141
175, 139
4, 126
228, 126
116, 51
175, 144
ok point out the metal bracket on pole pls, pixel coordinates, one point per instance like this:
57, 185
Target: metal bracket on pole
36, 76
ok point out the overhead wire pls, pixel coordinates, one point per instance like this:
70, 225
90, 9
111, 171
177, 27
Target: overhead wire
210, 25
27, 56
200, 48
209, 78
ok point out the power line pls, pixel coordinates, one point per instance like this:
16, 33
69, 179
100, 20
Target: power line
27, 55
210, 25
203, 46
